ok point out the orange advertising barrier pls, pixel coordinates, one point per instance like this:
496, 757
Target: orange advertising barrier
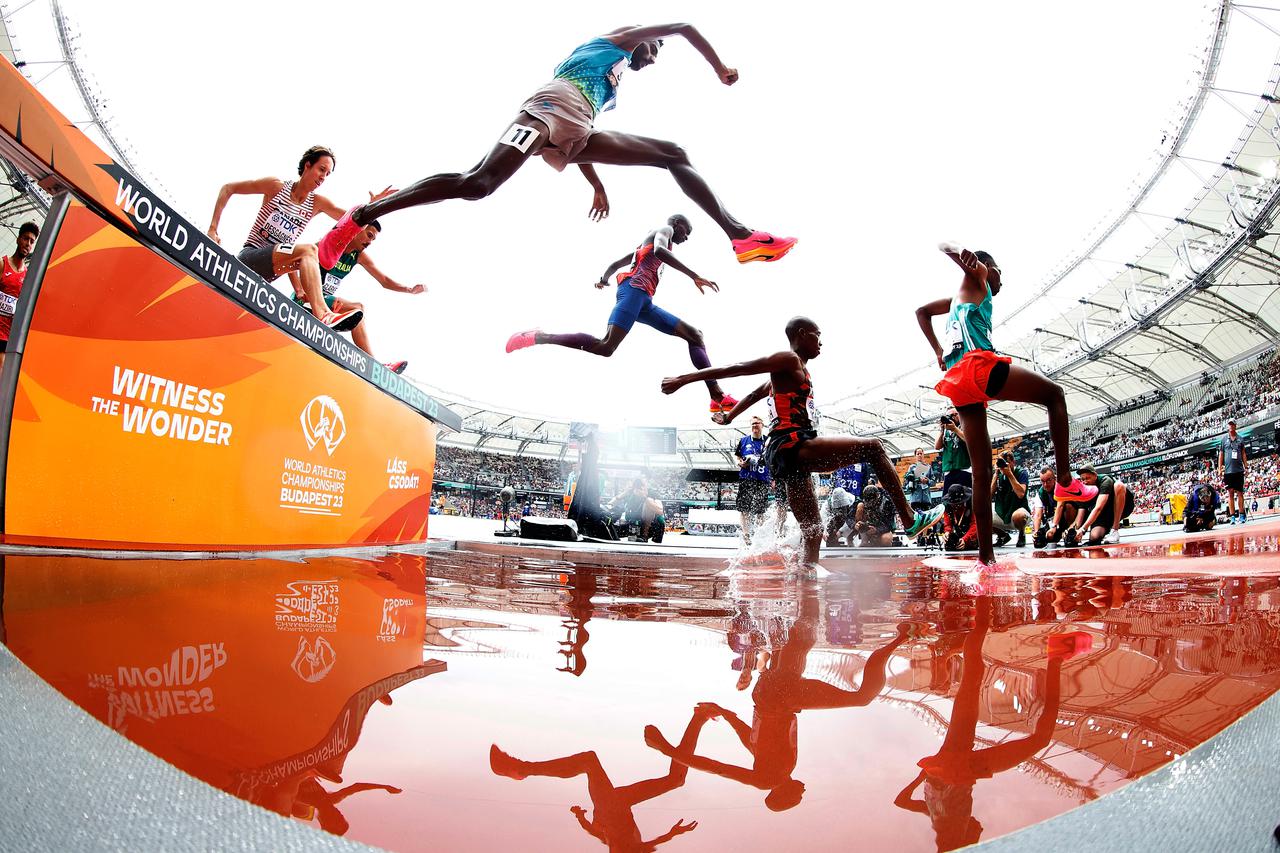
151, 410
254, 675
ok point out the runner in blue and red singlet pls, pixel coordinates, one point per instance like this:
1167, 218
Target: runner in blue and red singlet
636, 288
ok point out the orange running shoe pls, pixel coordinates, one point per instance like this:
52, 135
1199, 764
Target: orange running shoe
762, 246
724, 404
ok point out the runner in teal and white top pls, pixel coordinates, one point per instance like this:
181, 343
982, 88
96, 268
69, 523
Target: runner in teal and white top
975, 375
968, 328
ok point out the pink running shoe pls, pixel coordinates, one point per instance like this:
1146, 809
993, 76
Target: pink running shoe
338, 238
343, 321
520, 340
396, 367
1077, 492
724, 404
762, 246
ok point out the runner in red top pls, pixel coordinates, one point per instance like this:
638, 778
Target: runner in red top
13, 271
794, 450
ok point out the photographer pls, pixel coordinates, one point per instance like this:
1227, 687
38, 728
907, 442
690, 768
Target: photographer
959, 526
1112, 505
1045, 520
874, 518
1010, 509
916, 483
637, 510
842, 508
1203, 502
954, 453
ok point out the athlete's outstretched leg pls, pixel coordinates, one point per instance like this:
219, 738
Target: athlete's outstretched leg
698, 354
974, 420
502, 161
505, 158
804, 506
581, 340
828, 454
1026, 386
625, 149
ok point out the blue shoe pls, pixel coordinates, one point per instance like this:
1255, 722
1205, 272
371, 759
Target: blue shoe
925, 520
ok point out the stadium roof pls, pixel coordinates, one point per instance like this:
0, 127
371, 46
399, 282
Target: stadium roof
1181, 283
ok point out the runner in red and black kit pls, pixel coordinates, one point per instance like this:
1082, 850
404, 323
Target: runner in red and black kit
794, 450
636, 288
13, 272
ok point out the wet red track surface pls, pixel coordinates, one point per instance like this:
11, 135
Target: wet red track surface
461, 701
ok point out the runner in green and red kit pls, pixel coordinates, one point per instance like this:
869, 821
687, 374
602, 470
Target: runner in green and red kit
333, 277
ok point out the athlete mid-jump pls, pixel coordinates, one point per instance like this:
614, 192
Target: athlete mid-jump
636, 288
557, 122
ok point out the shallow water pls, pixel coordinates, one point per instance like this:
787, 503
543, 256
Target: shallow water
453, 700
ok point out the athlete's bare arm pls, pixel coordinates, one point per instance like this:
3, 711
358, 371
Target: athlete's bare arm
1098, 506
599, 199
924, 316
613, 268
726, 418
662, 251
629, 38
785, 369
265, 187
974, 287
385, 280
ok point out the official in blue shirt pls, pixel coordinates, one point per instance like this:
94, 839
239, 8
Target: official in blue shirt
753, 478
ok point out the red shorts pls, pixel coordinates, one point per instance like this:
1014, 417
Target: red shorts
966, 383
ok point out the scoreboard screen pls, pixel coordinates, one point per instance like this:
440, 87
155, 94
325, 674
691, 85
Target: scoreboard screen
651, 441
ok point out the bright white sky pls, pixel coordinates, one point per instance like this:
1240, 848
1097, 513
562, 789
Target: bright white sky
871, 131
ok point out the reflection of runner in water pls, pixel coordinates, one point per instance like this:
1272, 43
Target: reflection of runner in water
780, 694
950, 775
557, 122
612, 822
636, 289
580, 610
291, 785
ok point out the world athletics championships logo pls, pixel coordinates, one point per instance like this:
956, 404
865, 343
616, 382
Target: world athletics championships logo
322, 422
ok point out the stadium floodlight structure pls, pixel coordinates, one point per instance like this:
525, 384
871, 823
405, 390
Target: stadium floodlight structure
20, 198
1166, 292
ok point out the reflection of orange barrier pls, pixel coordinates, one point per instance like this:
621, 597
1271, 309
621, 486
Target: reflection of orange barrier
252, 675
150, 410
